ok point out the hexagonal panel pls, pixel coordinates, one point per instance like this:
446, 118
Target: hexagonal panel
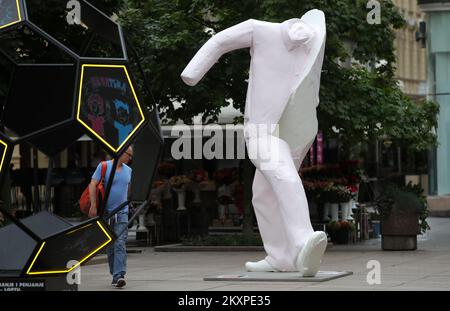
10, 13
39, 97
108, 105
38, 90
6, 69
56, 140
74, 244
94, 34
25, 45
147, 149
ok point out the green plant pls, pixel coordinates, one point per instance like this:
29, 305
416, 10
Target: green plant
334, 226
341, 231
407, 198
179, 181
358, 104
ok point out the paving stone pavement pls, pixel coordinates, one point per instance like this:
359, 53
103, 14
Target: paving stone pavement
427, 268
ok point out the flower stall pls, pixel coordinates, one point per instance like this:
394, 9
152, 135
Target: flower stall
333, 189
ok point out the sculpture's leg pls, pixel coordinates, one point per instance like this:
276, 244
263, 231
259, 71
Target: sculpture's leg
267, 214
275, 162
310, 256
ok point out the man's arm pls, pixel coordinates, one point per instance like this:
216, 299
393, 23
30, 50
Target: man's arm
92, 196
233, 38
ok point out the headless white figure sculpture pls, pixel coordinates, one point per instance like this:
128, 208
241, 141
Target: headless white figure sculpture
283, 89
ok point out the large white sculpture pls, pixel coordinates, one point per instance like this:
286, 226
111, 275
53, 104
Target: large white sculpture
283, 90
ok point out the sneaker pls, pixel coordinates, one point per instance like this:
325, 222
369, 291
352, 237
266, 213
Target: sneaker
113, 283
121, 282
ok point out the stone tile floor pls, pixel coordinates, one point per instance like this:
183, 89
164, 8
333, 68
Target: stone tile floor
428, 268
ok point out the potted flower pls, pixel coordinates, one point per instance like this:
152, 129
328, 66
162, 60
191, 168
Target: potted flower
348, 207
345, 193
179, 184
224, 178
154, 208
198, 175
315, 192
333, 194
340, 231
331, 186
403, 212
158, 188
198, 178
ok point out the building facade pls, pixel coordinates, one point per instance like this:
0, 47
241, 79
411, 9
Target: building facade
410, 55
438, 74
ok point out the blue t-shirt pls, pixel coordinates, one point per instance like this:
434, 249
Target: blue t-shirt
119, 188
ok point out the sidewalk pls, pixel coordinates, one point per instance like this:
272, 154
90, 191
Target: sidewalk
428, 268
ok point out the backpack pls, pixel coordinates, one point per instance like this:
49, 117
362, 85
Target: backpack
85, 201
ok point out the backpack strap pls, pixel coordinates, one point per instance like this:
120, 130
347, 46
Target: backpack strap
104, 167
101, 186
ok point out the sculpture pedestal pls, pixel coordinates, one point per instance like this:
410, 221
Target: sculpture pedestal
321, 276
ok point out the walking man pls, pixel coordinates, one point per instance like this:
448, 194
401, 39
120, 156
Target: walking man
117, 255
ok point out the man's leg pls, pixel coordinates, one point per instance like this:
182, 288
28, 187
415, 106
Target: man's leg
110, 253
120, 252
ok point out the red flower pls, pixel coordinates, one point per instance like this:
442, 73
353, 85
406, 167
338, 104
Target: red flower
158, 183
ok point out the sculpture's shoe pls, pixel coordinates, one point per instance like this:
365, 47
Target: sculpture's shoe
260, 266
310, 257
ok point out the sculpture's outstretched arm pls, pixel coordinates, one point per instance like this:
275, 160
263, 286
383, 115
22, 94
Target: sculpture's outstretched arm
233, 38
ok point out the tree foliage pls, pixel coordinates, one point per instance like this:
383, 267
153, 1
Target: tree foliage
361, 103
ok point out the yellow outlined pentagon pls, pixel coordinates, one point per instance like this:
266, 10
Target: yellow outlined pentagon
9, 13
108, 106
40, 264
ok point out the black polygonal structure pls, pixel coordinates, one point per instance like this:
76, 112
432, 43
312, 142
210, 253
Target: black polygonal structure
66, 77
68, 73
43, 244
147, 152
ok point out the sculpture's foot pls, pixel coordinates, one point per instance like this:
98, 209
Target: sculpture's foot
310, 257
260, 266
